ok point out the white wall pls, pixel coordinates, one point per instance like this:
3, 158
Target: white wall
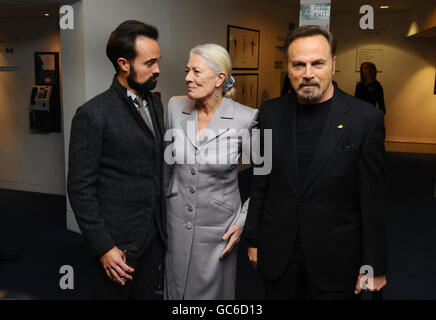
29, 162
100, 18
73, 85
194, 22
408, 76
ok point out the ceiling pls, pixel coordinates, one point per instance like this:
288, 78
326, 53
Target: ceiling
30, 8
35, 8
428, 33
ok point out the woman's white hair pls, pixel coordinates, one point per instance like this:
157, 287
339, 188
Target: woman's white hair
219, 61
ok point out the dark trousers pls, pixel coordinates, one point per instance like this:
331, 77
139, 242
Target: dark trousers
295, 284
145, 277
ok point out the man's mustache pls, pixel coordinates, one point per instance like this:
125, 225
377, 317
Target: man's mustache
308, 83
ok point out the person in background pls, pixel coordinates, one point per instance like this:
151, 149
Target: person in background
369, 89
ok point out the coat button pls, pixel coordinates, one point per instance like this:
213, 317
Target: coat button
193, 171
190, 208
192, 189
188, 225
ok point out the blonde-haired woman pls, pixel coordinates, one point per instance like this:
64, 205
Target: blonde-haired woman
205, 218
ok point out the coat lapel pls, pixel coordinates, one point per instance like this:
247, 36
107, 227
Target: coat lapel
220, 122
154, 106
189, 122
287, 138
138, 117
334, 127
122, 93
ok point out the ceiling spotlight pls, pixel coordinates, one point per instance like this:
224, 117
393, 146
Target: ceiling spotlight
384, 7
46, 14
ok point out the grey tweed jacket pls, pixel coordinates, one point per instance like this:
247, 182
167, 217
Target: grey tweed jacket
115, 171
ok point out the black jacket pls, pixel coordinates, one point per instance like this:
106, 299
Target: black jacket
340, 208
116, 170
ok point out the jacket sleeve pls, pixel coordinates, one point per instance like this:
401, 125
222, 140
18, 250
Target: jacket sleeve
373, 198
168, 147
259, 191
357, 91
247, 139
381, 99
83, 167
242, 215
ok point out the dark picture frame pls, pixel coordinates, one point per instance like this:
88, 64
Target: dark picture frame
247, 87
243, 45
47, 68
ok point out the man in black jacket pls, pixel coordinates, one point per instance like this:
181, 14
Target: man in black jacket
115, 169
316, 225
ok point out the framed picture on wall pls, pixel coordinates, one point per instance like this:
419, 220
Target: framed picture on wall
47, 68
246, 86
243, 46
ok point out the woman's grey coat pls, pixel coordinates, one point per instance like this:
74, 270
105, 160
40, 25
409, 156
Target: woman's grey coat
203, 199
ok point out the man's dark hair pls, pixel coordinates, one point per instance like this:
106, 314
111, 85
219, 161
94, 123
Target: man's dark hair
121, 43
310, 31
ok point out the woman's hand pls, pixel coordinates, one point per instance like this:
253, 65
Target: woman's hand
233, 235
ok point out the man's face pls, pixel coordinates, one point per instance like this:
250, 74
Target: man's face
144, 69
311, 68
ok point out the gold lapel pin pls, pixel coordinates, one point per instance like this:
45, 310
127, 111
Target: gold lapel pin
340, 126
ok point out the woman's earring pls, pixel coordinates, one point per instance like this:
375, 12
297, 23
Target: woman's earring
217, 95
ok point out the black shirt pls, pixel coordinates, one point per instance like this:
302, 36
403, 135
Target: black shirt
309, 125
372, 93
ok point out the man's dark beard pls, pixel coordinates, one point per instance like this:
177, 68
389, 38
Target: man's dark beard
141, 87
309, 98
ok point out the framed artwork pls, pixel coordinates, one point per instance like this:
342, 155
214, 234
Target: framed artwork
246, 86
243, 47
370, 54
47, 68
